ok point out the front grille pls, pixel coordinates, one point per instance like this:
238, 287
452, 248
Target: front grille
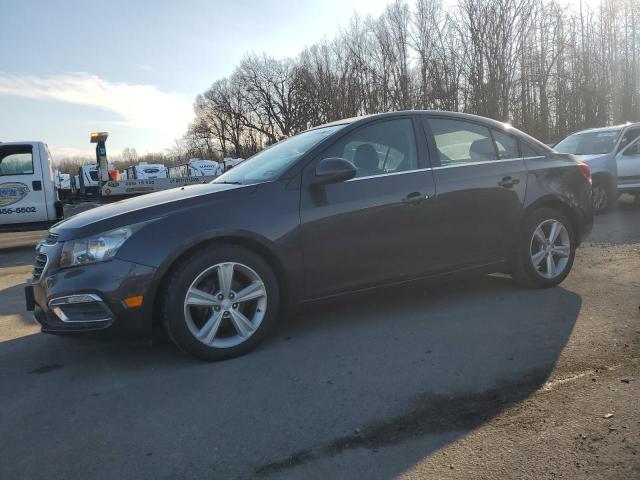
39, 266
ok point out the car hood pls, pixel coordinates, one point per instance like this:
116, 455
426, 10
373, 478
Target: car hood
144, 208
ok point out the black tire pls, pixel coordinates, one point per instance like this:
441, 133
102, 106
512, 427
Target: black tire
602, 195
179, 282
524, 270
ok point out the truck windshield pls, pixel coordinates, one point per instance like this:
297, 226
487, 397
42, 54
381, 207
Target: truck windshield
589, 143
268, 164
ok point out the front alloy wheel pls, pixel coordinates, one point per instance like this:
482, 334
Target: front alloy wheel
220, 301
225, 304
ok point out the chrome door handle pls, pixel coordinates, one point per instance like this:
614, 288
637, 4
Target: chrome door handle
508, 182
414, 198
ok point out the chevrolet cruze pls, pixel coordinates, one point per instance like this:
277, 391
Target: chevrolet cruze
353, 205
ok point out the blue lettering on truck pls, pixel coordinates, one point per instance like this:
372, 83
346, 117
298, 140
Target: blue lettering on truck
12, 192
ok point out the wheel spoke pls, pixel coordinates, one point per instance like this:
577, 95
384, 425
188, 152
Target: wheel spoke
251, 292
538, 257
551, 266
200, 298
209, 330
243, 325
556, 227
225, 277
562, 250
539, 235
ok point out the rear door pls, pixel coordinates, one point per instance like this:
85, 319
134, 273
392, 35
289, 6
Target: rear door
480, 181
22, 195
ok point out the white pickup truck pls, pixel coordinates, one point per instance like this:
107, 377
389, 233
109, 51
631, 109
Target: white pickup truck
28, 195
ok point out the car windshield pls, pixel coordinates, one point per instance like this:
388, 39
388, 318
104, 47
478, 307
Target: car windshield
589, 143
268, 164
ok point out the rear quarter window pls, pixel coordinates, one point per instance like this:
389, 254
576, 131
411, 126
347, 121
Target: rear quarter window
529, 151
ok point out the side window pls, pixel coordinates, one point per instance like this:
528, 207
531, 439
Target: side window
506, 145
460, 142
16, 160
633, 150
377, 149
629, 136
528, 151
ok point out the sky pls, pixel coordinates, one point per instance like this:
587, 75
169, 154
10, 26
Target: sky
133, 68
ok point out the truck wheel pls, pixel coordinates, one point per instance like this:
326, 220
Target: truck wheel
546, 249
602, 196
220, 302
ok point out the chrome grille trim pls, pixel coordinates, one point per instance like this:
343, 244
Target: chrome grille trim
39, 266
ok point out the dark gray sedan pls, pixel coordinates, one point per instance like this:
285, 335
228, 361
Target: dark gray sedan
353, 205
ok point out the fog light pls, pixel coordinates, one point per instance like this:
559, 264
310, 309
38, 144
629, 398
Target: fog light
133, 302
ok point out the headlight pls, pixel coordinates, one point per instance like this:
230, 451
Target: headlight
97, 248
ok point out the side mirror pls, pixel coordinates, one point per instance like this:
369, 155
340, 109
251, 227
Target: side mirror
334, 170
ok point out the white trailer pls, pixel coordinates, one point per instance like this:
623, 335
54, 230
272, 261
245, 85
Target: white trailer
28, 194
196, 168
230, 162
63, 184
75, 185
146, 171
88, 175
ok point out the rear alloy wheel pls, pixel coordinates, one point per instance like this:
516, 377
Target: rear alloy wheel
550, 248
220, 302
546, 249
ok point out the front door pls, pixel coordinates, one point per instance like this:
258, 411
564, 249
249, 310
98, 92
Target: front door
480, 182
22, 195
376, 226
628, 161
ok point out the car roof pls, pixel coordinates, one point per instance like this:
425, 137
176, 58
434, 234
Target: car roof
612, 128
440, 113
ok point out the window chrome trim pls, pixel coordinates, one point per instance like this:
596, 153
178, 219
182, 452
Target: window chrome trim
442, 167
390, 174
485, 162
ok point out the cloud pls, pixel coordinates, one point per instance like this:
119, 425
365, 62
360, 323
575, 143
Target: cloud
139, 106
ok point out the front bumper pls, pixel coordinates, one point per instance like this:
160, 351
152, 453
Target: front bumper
91, 297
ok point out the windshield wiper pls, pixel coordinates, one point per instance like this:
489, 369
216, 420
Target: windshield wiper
229, 183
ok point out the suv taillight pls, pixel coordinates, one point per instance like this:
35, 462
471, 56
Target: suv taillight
584, 168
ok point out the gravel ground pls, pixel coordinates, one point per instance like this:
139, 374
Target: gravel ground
475, 379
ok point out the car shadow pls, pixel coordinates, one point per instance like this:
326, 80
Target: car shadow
371, 371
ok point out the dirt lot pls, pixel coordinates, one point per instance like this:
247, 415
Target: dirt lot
477, 379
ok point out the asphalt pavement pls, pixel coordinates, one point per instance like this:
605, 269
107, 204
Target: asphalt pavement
480, 378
